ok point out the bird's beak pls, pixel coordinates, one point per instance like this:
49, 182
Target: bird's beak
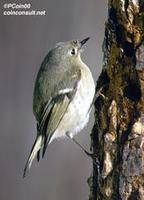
84, 41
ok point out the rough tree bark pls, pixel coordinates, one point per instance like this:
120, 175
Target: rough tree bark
118, 133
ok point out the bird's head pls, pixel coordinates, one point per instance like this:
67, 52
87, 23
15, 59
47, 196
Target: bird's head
68, 52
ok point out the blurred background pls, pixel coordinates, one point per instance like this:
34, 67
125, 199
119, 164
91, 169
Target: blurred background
24, 41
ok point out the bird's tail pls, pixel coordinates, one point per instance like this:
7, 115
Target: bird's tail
35, 149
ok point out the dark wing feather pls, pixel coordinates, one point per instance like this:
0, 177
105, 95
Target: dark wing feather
57, 112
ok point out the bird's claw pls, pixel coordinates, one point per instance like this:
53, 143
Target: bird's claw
94, 158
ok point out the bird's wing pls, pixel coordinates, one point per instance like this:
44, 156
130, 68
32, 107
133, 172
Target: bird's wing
56, 107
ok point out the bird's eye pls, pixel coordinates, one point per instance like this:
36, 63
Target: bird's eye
73, 52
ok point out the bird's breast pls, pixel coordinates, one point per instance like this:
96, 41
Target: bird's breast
80, 105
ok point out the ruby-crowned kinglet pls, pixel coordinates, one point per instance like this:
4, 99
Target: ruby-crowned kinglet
63, 95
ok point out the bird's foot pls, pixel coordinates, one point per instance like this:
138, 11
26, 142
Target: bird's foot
94, 158
91, 155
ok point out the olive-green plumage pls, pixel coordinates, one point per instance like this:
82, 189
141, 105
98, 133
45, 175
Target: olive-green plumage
60, 101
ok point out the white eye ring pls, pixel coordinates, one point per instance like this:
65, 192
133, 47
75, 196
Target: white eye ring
73, 52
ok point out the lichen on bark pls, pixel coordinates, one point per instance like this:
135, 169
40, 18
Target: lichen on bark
118, 133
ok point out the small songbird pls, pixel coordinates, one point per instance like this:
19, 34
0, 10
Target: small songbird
63, 96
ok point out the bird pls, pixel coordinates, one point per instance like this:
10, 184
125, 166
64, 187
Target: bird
63, 96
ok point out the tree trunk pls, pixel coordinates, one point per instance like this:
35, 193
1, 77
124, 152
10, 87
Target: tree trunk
118, 133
